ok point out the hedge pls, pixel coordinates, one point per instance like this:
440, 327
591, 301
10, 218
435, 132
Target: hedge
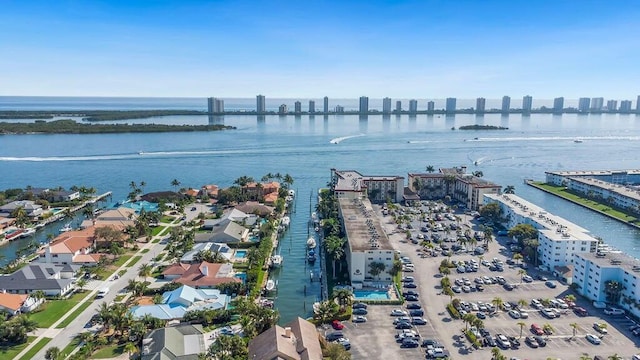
453, 311
472, 338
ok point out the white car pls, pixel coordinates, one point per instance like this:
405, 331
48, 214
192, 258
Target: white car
593, 339
524, 315
514, 314
614, 311
398, 312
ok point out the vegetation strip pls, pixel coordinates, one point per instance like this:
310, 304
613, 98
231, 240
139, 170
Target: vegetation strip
134, 260
35, 348
74, 315
73, 127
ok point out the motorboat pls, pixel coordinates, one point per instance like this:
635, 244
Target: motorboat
311, 256
27, 232
66, 228
276, 261
271, 285
311, 243
285, 221
317, 228
578, 141
292, 193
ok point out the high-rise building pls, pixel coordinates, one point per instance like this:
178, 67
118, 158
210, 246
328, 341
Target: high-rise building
325, 107
638, 105
480, 104
283, 109
413, 106
583, 104
597, 104
625, 106
527, 104
612, 105
431, 106
506, 104
215, 105
364, 105
398, 106
312, 106
297, 107
261, 107
339, 109
558, 105
450, 105
386, 105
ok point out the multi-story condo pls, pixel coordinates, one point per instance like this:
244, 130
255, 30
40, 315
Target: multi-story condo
413, 106
261, 107
621, 196
364, 105
215, 105
431, 106
593, 272
351, 184
506, 104
282, 109
612, 105
450, 106
367, 243
386, 105
325, 107
527, 104
638, 105
398, 106
312, 106
339, 109
625, 106
558, 105
562, 178
583, 104
558, 239
480, 104
297, 107
597, 104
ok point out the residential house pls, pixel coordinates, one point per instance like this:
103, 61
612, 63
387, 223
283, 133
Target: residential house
258, 191
254, 207
224, 231
181, 300
119, 218
222, 249
183, 342
64, 195
72, 247
32, 209
52, 279
210, 190
203, 275
192, 192
297, 340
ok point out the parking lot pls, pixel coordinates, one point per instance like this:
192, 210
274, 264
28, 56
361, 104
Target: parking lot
375, 339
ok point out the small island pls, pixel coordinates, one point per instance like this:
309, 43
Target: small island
96, 115
482, 127
67, 126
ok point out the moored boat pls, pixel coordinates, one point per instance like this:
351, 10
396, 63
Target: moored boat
276, 261
271, 285
27, 232
311, 256
66, 228
292, 193
311, 242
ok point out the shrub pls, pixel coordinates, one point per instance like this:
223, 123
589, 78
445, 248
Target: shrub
453, 311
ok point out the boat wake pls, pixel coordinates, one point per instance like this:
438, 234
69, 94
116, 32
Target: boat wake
419, 141
137, 155
338, 140
553, 138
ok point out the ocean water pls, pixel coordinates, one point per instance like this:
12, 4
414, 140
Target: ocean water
308, 147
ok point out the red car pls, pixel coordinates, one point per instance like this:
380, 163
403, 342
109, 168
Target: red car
536, 329
580, 311
337, 325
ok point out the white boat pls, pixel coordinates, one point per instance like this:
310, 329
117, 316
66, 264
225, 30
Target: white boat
292, 193
66, 228
288, 199
27, 232
314, 216
271, 285
577, 141
311, 242
285, 221
276, 260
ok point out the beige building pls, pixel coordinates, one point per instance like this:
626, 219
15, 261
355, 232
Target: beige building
297, 340
351, 184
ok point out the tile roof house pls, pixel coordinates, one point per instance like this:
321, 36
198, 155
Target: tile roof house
254, 207
53, 279
181, 300
201, 275
256, 191
192, 192
72, 247
16, 303
182, 342
210, 190
118, 218
297, 340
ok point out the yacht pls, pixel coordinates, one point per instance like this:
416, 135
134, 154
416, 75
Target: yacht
285, 221
66, 228
292, 193
311, 256
271, 285
311, 242
276, 261
27, 232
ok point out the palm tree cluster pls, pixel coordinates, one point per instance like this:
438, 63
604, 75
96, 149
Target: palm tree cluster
180, 241
227, 348
14, 331
325, 311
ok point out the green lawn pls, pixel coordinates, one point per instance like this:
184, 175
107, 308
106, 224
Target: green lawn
11, 351
37, 347
121, 260
562, 192
69, 348
74, 315
144, 251
108, 352
167, 219
156, 230
134, 260
53, 310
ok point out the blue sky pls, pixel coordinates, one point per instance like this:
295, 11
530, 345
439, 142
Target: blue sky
401, 49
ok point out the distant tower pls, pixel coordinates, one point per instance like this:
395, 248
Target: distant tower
638, 105
413, 106
364, 105
583, 104
297, 107
450, 106
612, 105
215, 105
398, 106
597, 104
527, 104
431, 106
283, 109
480, 104
386, 105
625, 106
558, 105
325, 108
506, 104
312, 106
339, 109
261, 104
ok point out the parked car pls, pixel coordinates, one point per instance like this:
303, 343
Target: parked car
514, 314
593, 339
403, 325
359, 319
359, 312
411, 298
359, 306
409, 343
398, 312
416, 312
489, 341
337, 325
480, 315
418, 321
527, 278
550, 284
410, 285
334, 336
400, 319
600, 328
431, 343
613, 311
409, 292
529, 340
541, 341
536, 329
580, 311
503, 341
413, 306
344, 342
515, 343
479, 287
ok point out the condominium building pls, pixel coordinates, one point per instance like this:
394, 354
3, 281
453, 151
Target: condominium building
583, 104
312, 106
431, 106
638, 105
450, 106
339, 109
297, 107
367, 243
413, 106
282, 109
612, 105
527, 104
386, 105
261, 107
506, 104
364, 105
593, 271
561, 178
215, 105
621, 196
351, 184
625, 106
398, 106
597, 104
325, 105
558, 238
480, 104
558, 104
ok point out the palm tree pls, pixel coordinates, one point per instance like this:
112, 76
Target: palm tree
344, 297
468, 319
175, 183
130, 348
326, 311
145, 270
522, 273
496, 354
509, 189
548, 329
81, 283
20, 214
53, 353
522, 326
334, 247
574, 327
585, 356
376, 268
288, 180
497, 301
615, 357
613, 289
522, 303
430, 168
517, 257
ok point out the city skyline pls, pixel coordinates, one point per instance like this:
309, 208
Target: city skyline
197, 48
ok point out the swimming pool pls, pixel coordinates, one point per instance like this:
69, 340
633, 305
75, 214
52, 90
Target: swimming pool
242, 276
241, 254
56, 210
370, 295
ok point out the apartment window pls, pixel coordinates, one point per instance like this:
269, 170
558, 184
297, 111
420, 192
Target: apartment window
388, 258
55, 255
370, 258
583, 249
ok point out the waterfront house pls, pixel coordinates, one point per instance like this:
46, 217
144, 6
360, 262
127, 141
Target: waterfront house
52, 279
119, 218
181, 300
224, 231
210, 190
72, 247
219, 248
203, 275
297, 340
254, 207
64, 195
192, 192
183, 342
32, 209
258, 191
